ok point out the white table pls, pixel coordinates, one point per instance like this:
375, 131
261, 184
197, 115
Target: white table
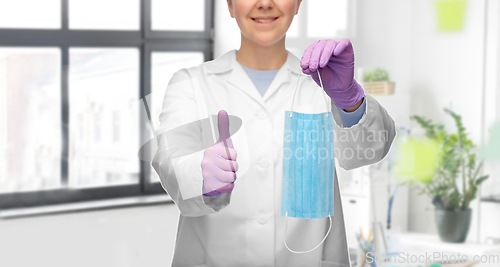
415, 245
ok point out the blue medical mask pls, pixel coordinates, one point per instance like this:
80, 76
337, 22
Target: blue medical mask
308, 166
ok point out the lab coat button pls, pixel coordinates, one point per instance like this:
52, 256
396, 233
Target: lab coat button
262, 115
262, 220
264, 164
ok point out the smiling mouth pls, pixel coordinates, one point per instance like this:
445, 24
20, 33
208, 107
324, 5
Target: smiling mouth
264, 20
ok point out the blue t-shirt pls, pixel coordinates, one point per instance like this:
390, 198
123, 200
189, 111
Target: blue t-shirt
261, 78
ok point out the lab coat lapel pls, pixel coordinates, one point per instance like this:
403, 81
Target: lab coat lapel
286, 74
239, 78
283, 76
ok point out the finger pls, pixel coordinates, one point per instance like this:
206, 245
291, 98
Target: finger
226, 188
306, 57
343, 45
225, 164
307, 71
327, 53
316, 54
315, 77
221, 151
212, 184
217, 163
313, 74
223, 125
224, 176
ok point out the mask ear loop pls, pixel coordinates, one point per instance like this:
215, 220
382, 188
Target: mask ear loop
297, 87
286, 213
295, 92
326, 100
301, 252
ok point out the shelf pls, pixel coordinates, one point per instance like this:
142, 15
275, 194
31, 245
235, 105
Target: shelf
495, 198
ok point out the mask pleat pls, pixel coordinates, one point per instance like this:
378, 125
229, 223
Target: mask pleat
330, 163
316, 175
306, 170
288, 165
298, 154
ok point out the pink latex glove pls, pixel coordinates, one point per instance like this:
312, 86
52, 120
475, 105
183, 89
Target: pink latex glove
335, 61
219, 165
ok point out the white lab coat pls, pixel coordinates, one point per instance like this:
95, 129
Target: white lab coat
244, 228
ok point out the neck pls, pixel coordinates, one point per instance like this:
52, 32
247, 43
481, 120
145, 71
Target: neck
259, 57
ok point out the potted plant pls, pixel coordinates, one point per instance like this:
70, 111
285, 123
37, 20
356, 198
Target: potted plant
455, 179
376, 82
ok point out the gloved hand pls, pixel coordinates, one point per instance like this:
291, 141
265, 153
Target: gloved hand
335, 61
219, 161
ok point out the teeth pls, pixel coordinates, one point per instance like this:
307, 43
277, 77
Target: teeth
264, 20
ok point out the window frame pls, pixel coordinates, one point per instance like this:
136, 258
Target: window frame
146, 41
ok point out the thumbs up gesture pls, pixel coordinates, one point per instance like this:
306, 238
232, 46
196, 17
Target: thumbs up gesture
219, 164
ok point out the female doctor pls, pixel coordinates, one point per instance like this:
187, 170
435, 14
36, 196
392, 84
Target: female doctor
229, 193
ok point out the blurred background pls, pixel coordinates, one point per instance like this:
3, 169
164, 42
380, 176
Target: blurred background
73, 72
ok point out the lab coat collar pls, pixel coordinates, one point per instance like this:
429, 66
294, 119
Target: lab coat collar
228, 61
240, 79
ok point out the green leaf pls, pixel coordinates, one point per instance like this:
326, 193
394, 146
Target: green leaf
481, 179
376, 75
457, 166
472, 161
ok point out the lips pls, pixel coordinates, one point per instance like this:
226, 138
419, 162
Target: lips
264, 19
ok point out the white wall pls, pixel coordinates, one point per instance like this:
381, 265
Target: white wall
447, 68
490, 212
447, 71
437, 69
384, 39
125, 237
492, 94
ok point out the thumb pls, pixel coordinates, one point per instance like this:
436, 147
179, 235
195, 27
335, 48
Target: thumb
223, 125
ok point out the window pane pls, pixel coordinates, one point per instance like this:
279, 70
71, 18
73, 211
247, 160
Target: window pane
171, 15
30, 119
104, 14
163, 66
326, 12
104, 134
30, 14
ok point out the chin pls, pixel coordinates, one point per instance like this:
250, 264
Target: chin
267, 40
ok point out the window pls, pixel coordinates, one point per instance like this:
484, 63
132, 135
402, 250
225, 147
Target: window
34, 14
104, 15
31, 128
72, 76
163, 65
116, 126
165, 16
101, 81
3, 125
